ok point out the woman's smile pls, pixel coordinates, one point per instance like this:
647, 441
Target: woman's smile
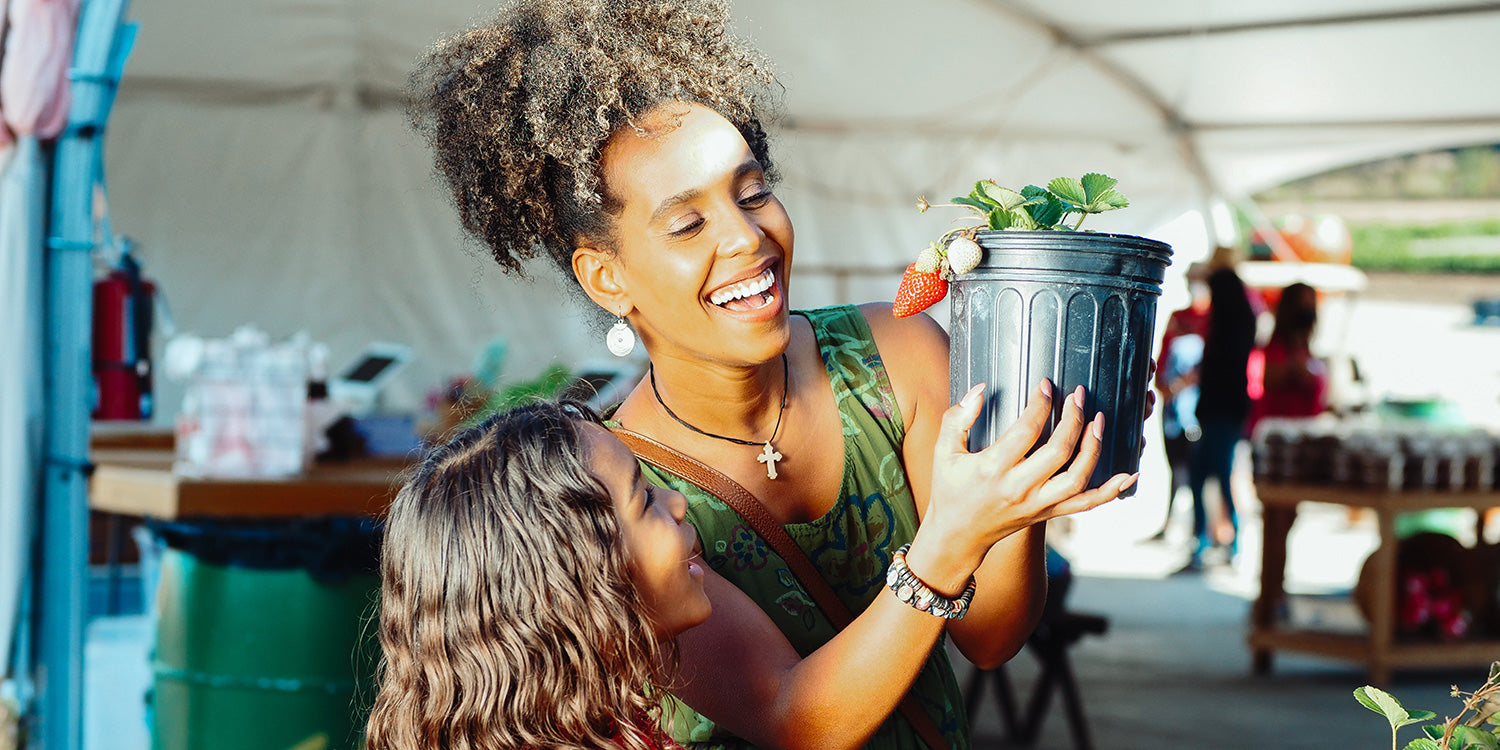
757, 299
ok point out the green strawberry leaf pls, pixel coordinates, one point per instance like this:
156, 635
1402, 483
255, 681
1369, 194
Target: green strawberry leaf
1386, 705
1001, 219
1465, 737
981, 192
1049, 212
1005, 197
1095, 185
1022, 220
980, 207
1069, 190
1422, 743
1111, 199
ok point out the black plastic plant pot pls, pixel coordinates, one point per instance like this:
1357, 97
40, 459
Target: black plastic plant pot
1077, 308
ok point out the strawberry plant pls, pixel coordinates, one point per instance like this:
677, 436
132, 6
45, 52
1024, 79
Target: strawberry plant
1061, 206
1476, 727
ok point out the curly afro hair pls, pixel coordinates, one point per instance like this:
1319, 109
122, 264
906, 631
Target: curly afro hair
518, 110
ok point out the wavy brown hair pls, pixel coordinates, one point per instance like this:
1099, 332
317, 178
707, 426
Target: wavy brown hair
518, 110
508, 618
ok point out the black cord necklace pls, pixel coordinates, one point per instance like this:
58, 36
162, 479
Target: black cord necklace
768, 454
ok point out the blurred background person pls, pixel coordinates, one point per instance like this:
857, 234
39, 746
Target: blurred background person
1223, 399
1295, 382
1177, 380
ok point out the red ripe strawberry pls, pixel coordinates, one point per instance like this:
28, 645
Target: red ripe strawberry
918, 291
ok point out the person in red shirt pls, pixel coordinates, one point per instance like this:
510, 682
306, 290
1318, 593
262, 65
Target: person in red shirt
1177, 380
1295, 382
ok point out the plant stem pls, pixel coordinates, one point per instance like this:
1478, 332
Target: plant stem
1471, 704
1081, 217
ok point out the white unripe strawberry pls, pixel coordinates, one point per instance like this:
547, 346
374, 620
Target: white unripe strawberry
928, 259
963, 254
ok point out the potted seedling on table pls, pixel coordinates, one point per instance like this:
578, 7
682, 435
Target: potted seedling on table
1035, 296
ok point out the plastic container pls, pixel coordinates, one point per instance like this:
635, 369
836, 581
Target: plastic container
1078, 308
264, 636
244, 410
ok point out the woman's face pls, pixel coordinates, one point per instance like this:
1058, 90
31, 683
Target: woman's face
702, 245
665, 562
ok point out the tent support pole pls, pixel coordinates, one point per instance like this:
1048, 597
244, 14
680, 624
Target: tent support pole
98, 58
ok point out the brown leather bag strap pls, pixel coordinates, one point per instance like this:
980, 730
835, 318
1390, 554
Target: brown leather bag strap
749, 507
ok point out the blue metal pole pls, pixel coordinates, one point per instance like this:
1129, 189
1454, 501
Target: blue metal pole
98, 58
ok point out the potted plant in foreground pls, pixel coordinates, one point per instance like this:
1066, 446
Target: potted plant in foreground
1475, 727
1035, 297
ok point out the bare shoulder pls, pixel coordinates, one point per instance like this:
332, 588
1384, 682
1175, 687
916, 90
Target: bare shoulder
915, 352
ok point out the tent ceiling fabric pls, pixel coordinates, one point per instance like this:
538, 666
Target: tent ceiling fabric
293, 108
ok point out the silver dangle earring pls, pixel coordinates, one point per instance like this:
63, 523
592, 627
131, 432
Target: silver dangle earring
620, 339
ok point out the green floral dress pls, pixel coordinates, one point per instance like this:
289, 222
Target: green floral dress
852, 545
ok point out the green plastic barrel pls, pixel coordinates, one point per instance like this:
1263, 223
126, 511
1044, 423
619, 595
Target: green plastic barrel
260, 659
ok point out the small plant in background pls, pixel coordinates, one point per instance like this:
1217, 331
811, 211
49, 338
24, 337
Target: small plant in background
994, 207
1476, 727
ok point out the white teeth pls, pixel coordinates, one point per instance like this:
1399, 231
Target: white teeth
744, 289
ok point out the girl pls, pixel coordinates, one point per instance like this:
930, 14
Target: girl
533, 582
623, 140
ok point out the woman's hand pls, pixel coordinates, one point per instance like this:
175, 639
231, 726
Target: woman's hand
980, 498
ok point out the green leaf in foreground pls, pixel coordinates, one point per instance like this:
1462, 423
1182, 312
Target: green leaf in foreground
1422, 743
1386, 705
1465, 737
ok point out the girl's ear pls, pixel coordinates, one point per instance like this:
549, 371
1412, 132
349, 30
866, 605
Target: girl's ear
598, 272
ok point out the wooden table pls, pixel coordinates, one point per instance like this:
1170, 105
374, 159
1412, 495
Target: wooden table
142, 483
1378, 649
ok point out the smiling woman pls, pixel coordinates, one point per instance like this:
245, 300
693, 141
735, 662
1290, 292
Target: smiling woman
623, 140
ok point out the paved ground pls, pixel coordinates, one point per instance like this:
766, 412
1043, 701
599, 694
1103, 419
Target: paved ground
1174, 671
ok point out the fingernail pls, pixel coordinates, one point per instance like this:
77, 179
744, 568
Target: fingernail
972, 394
1078, 397
1098, 426
1045, 389
1130, 481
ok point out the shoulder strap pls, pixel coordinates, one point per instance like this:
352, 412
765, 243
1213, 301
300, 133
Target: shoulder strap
750, 508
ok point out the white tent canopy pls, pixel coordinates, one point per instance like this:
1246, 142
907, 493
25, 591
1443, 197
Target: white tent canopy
259, 155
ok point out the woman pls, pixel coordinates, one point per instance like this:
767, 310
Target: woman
623, 140
1296, 382
1223, 403
533, 582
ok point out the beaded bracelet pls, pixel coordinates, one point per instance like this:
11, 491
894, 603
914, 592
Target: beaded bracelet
909, 589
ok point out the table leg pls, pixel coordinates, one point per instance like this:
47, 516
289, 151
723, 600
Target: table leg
1383, 602
1276, 523
114, 540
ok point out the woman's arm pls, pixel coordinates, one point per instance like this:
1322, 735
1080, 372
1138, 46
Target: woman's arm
1012, 579
739, 670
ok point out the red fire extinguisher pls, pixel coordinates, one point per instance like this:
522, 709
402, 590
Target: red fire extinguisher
123, 303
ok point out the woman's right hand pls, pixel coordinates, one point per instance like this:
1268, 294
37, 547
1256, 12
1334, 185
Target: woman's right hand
980, 498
